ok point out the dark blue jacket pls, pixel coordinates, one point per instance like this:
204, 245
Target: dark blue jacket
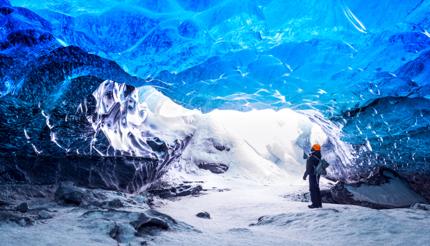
312, 162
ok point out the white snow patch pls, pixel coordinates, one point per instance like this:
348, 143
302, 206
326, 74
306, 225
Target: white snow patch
288, 223
393, 193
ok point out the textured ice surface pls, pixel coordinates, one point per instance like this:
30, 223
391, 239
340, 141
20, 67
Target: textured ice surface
363, 66
113, 94
306, 52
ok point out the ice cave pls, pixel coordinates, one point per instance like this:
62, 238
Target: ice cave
192, 122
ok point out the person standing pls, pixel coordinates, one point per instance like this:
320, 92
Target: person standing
311, 163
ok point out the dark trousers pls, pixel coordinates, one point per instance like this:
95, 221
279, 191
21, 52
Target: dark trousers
314, 188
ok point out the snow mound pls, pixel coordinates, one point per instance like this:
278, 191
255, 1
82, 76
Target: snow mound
394, 193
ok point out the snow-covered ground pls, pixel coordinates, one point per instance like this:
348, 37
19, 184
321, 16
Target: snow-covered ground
63, 229
235, 221
242, 213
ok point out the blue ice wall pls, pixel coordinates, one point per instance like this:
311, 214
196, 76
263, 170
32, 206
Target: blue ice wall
364, 64
246, 54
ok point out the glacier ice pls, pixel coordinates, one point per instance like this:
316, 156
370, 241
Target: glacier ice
133, 78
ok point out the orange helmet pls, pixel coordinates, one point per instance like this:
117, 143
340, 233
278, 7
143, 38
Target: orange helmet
316, 147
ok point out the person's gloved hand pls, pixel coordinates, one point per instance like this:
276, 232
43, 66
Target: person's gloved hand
305, 156
304, 177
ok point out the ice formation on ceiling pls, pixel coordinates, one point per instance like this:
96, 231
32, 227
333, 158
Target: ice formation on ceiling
362, 67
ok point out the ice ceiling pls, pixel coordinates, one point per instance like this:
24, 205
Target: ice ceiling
363, 64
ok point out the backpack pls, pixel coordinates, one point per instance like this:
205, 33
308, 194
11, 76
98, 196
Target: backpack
320, 169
